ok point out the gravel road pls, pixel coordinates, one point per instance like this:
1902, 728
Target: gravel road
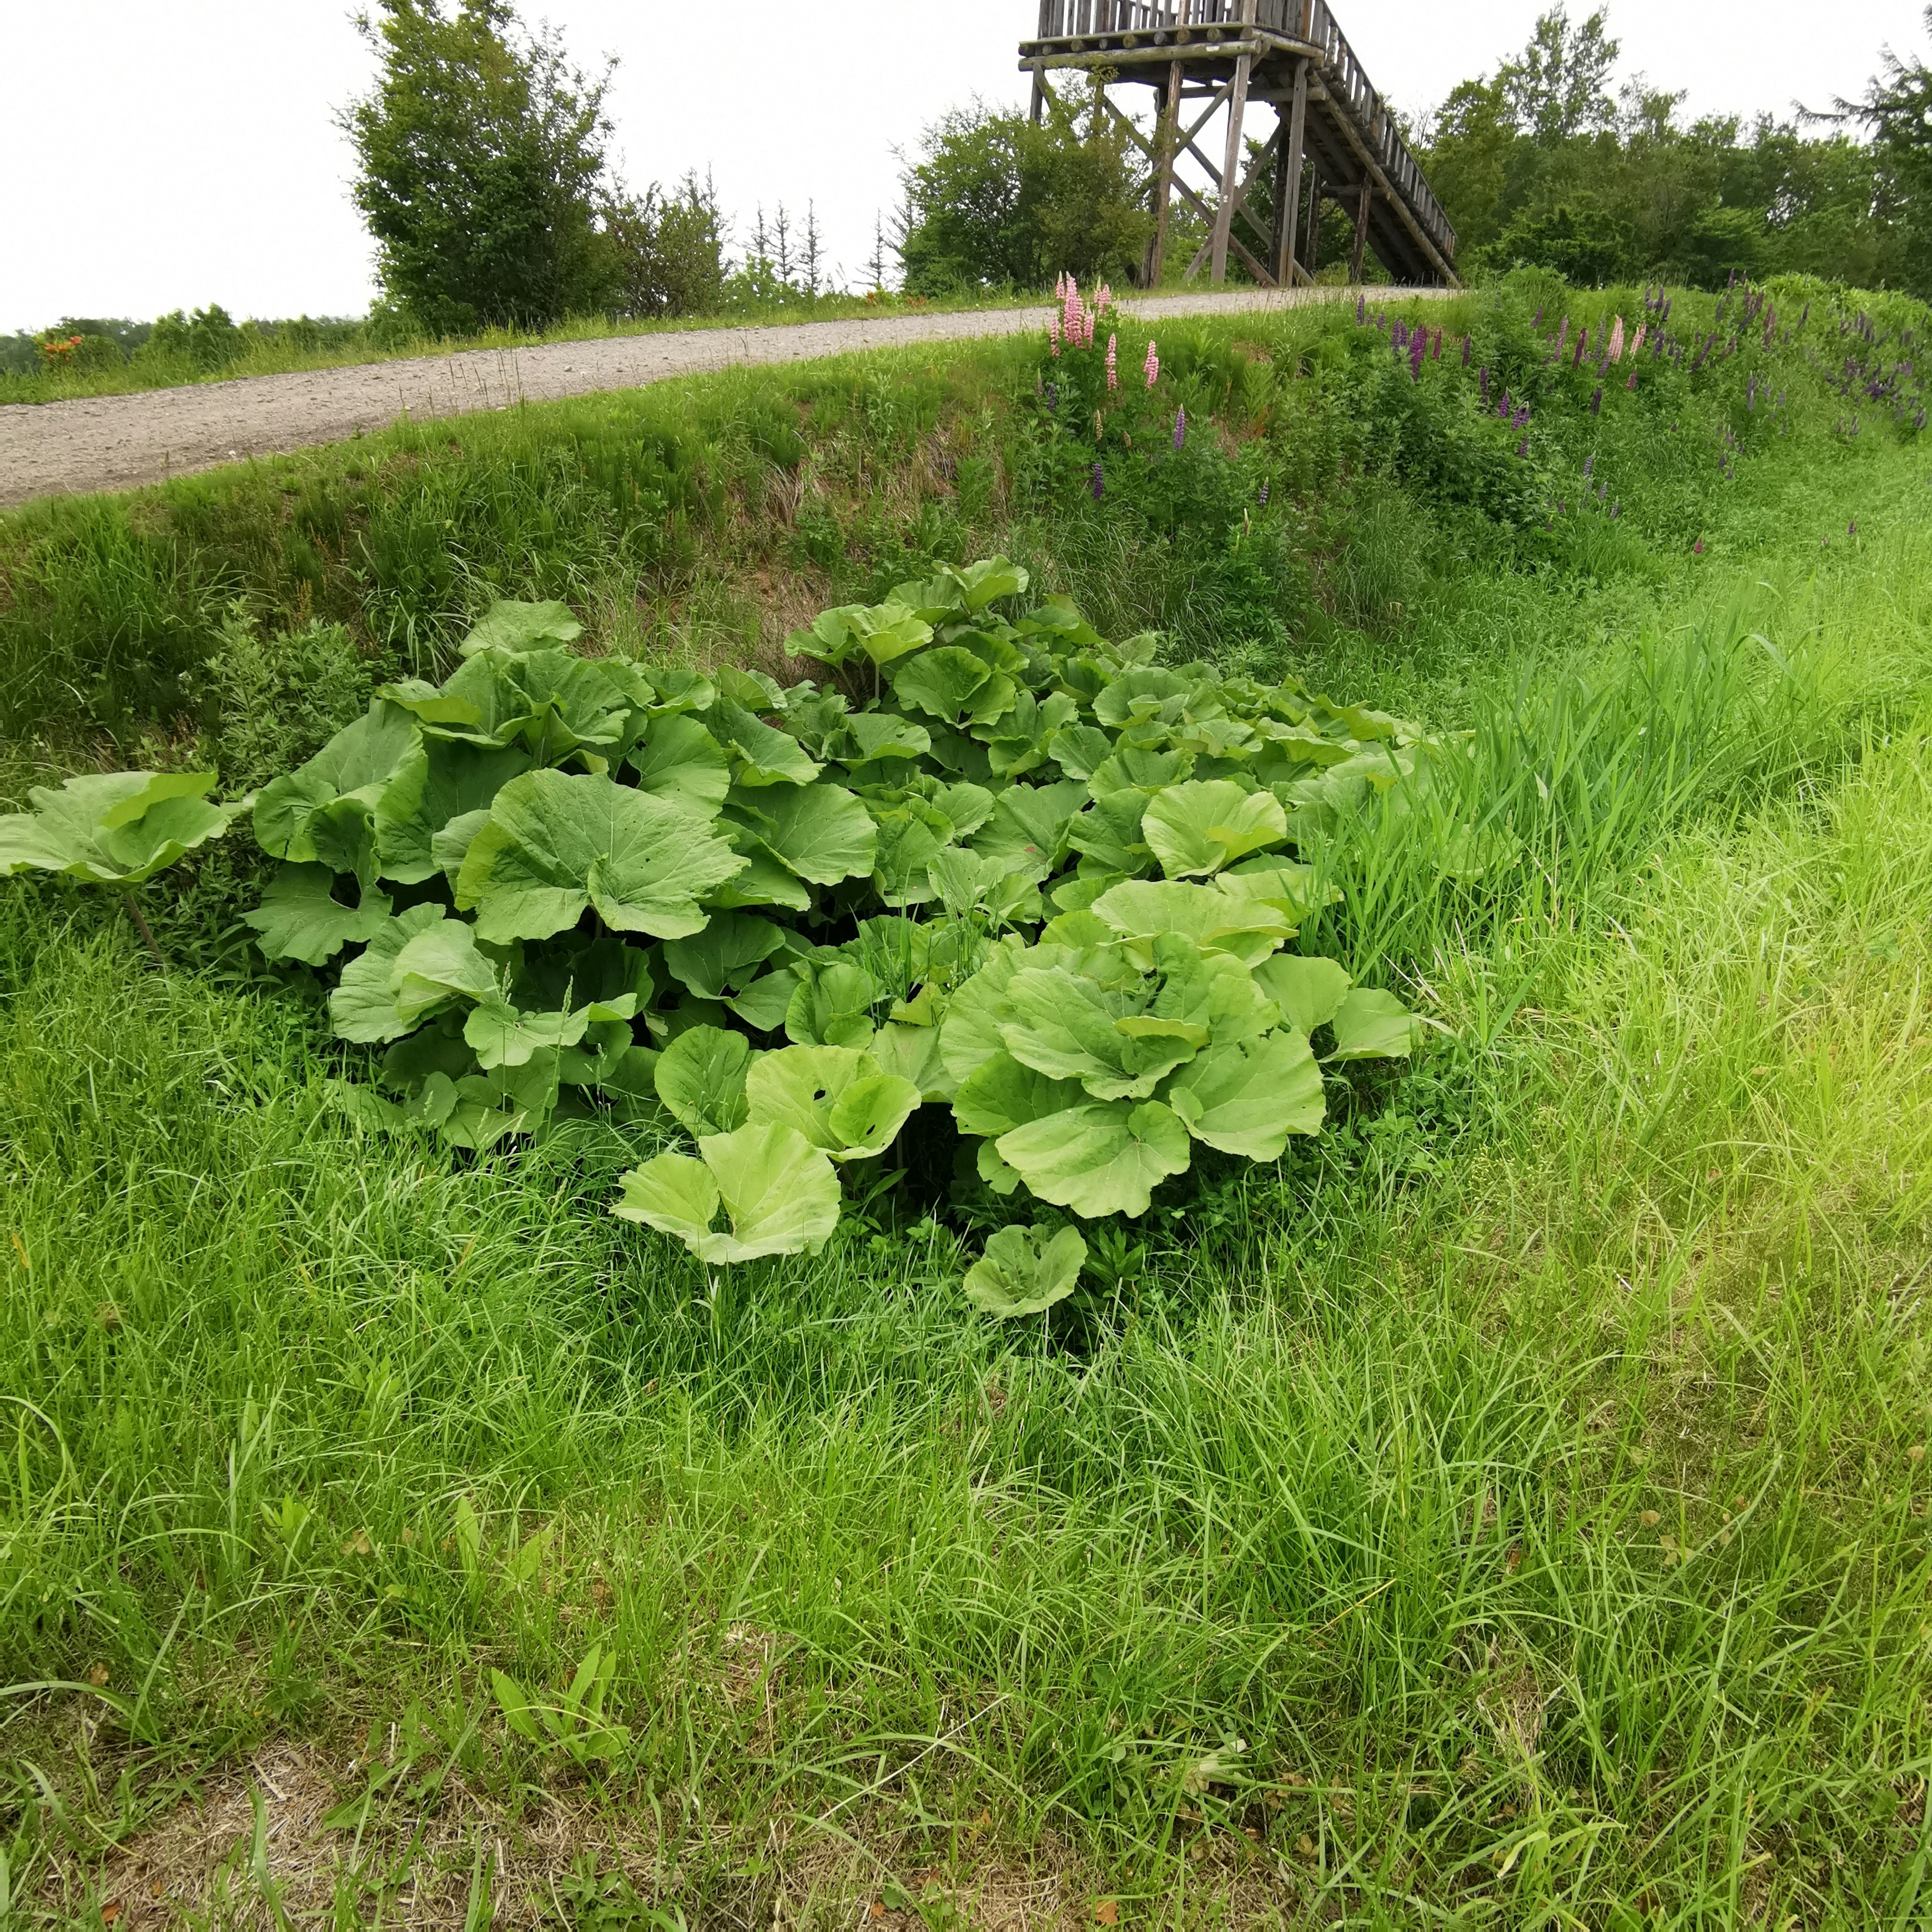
115, 443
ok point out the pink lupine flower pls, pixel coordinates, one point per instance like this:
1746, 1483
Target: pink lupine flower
1053, 332
1642, 328
1617, 341
1113, 356
1151, 368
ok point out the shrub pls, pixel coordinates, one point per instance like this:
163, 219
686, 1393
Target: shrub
994, 864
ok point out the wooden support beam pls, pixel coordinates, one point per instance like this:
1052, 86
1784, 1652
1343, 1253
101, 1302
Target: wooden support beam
1038, 108
1237, 102
1163, 176
1248, 180
1361, 231
1287, 180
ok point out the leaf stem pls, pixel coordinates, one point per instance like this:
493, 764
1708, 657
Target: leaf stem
141, 926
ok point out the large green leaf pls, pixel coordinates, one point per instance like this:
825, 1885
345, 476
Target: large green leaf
839, 1099
441, 964
1197, 827
832, 1006
300, 917
1212, 993
990, 578
880, 632
1142, 910
1248, 1096
726, 956
502, 1035
1064, 1024
437, 783
821, 833
767, 755
780, 1194
912, 1053
556, 844
1027, 832
1000, 1094
363, 1006
679, 760
910, 835
970, 1030
1309, 991
1100, 1159
293, 816
1024, 1272
1371, 1024
555, 706
955, 686
879, 736
114, 828
700, 1078
509, 625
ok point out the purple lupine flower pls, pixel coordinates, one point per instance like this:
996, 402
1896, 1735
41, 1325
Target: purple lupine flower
1417, 343
1589, 463
1361, 309
1096, 485
1697, 548
1597, 401
1577, 355
1539, 315
1264, 493
1179, 426
1522, 448
1469, 342
1563, 335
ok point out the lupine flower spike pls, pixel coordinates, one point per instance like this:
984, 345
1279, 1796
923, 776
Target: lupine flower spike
1617, 341
1468, 343
1637, 346
1053, 332
1264, 493
1096, 483
1113, 362
1152, 365
1597, 401
1179, 426
1589, 463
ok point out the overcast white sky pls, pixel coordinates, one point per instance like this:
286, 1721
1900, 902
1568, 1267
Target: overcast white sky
163, 155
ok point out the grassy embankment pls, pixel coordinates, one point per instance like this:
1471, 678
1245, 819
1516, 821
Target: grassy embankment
1516, 1505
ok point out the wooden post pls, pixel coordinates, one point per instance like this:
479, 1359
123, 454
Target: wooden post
1361, 232
1163, 174
1047, 24
1231, 165
1288, 181
1314, 223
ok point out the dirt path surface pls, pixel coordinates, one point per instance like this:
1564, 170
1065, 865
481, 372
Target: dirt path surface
116, 442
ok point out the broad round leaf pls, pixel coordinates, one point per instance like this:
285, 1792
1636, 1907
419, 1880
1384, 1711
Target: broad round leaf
556, 844
819, 831
438, 783
1248, 1096
1020, 1273
1100, 1159
1062, 1024
1371, 1024
725, 957
837, 1098
680, 760
113, 828
832, 1007
1309, 991
1141, 910
300, 917
700, 1078
509, 625
1201, 825
363, 1006
356, 765
1000, 1094
780, 1194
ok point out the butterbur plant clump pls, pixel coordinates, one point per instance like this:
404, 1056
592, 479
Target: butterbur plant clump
992, 868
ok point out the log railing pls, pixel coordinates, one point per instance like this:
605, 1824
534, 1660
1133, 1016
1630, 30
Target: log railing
1308, 22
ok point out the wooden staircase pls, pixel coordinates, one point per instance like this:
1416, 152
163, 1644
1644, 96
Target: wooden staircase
1332, 138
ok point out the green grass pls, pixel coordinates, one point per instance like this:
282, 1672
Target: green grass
1508, 1514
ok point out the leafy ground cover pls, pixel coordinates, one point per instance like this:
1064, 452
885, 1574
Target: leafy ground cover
1510, 1503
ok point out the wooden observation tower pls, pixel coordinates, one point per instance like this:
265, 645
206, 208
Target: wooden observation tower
1332, 138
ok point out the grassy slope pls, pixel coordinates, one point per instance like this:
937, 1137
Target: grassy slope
1525, 1479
